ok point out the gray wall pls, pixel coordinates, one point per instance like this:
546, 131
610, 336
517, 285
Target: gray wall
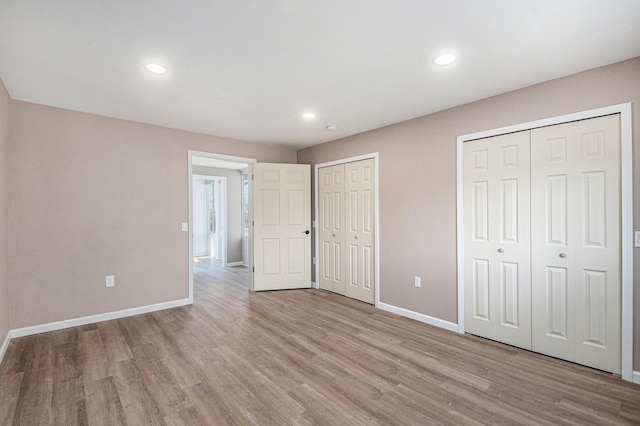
418, 179
234, 208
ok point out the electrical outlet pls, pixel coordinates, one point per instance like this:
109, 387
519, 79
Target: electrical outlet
110, 281
185, 226
418, 282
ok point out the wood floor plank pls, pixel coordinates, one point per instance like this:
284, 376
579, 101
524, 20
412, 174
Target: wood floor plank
68, 384
158, 380
93, 357
630, 411
138, 404
323, 410
410, 407
114, 343
186, 416
11, 384
34, 401
273, 398
211, 404
103, 404
299, 357
68, 403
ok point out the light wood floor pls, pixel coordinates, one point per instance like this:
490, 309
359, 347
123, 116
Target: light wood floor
292, 357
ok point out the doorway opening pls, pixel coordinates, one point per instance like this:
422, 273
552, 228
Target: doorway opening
209, 207
219, 218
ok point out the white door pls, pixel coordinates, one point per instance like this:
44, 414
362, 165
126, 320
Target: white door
282, 216
497, 238
575, 173
360, 229
331, 233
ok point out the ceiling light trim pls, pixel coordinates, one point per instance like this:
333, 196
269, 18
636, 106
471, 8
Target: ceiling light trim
155, 68
444, 59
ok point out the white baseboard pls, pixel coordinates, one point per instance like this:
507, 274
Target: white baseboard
636, 377
419, 317
5, 345
59, 325
314, 285
234, 264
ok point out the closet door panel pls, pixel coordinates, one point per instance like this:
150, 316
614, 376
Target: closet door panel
496, 196
331, 224
552, 268
512, 271
360, 226
480, 245
597, 250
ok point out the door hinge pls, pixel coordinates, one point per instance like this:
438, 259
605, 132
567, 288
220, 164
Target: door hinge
254, 269
253, 177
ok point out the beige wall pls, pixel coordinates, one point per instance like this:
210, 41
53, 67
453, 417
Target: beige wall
93, 196
4, 213
235, 227
418, 179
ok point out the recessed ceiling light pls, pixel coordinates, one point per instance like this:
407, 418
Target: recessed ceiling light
156, 69
332, 128
445, 59
308, 115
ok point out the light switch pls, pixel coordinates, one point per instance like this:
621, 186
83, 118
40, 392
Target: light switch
637, 235
185, 226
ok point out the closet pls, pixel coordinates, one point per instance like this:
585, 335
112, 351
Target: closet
346, 229
542, 240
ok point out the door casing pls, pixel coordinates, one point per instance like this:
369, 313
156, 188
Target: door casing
190, 155
626, 173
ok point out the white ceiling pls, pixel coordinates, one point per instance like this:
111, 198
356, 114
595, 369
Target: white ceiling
249, 69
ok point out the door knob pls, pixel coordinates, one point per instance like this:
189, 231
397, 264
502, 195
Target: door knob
563, 255
333, 235
356, 237
500, 250
305, 232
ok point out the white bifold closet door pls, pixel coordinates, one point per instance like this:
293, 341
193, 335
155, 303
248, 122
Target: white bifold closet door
542, 240
497, 239
346, 221
575, 211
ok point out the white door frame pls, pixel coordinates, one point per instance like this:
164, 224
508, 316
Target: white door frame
373, 155
250, 161
626, 175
